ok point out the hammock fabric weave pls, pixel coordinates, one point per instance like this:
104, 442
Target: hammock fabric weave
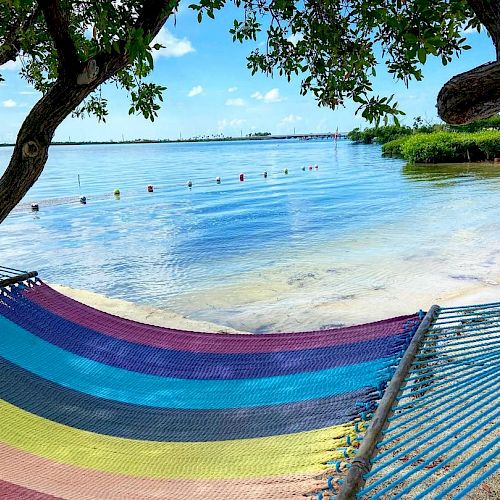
95, 406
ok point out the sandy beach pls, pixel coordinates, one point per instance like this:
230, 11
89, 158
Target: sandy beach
321, 315
140, 313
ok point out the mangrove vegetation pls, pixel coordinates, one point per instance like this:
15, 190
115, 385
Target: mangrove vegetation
437, 143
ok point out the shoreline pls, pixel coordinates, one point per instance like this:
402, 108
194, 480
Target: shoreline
270, 137
142, 314
474, 294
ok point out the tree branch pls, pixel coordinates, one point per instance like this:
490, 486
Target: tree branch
471, 96
154, 15
58, 27
488, 12
11, 45
34, 138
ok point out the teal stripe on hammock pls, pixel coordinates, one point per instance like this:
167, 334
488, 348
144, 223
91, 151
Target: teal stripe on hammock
84, 375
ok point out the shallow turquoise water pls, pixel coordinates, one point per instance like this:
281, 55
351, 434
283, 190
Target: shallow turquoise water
290, 251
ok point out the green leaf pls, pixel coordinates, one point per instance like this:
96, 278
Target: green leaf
422, 55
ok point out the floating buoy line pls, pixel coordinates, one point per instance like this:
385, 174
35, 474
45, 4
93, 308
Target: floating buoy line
150, 188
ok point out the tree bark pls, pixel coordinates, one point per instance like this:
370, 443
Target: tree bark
36, 133
475, 94
488, 12
32, 144
57, 24
471, 96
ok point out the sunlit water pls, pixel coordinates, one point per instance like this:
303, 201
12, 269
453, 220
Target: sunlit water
361, 237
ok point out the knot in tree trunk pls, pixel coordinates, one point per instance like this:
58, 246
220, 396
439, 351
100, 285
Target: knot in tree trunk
31, 149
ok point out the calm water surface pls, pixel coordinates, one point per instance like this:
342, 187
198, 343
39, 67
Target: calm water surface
361, 237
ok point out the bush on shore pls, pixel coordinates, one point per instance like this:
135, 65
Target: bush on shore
387, 134
379, 134
393, 148
442, 147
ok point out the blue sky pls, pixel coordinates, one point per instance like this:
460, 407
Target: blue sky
210, 91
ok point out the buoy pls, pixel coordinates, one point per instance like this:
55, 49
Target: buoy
83, 200
303, 169
316, 167
217, 180
150, 188
35, 207
242, 177
310, 167
286, 170
265, 175
116, 192
189, 184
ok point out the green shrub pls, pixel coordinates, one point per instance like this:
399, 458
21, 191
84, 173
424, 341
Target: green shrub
442, 147
379, 134
478, 125
393, 148
488, 142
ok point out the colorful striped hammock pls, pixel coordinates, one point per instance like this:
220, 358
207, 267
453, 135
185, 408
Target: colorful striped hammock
96, 406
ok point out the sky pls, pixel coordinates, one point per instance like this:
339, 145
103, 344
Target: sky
211, 91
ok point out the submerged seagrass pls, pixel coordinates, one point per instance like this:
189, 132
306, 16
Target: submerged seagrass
95, 406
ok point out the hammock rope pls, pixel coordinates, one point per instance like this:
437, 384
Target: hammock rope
96, 406
442, 436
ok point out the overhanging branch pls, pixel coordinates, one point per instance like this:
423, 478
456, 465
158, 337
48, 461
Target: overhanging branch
471, 96
488, 12
11, 44
58, 27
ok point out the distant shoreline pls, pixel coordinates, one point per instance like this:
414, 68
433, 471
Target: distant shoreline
319, 136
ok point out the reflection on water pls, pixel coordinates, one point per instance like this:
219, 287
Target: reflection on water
359, 238
452, 171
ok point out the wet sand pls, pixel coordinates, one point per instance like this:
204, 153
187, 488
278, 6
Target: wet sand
140, 313
309, 312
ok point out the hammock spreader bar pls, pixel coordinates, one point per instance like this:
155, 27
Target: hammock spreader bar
10, 276
437, 429
361, 465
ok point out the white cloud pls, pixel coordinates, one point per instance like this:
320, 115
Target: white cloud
197, 89
11, 65
272, 96
235, 102
28, 92
172, 46
232, 89
236, 122
296, 37
291, 118
9, 103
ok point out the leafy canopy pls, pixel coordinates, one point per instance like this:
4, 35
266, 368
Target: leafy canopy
334, 46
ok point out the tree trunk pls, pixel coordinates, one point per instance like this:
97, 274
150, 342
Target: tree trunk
471, 96
475, 94
36, 133
70, 89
